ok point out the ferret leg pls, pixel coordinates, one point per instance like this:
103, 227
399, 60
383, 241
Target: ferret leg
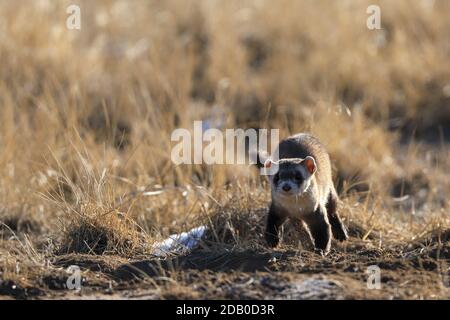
274, 222
320, 229
337, 227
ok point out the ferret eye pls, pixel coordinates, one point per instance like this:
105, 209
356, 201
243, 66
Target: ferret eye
276, 178
298, 176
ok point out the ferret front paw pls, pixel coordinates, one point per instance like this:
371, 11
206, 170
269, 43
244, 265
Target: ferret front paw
272, 239
340, 235
321, 252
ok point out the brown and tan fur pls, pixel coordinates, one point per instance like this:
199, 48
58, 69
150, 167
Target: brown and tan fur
303, 168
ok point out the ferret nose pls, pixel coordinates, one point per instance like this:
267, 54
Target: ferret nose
286, 187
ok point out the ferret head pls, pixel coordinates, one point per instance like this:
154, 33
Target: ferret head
291, 177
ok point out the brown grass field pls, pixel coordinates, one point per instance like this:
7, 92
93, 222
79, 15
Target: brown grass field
86, 176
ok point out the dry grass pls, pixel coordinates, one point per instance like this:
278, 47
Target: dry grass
86, 118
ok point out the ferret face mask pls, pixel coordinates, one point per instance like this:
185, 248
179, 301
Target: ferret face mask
292, 177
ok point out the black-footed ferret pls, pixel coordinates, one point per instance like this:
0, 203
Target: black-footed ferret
302, 188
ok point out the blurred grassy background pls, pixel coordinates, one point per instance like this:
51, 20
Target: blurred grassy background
86, 116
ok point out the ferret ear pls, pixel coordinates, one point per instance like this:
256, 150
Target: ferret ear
268, 163
310, 164
270, 167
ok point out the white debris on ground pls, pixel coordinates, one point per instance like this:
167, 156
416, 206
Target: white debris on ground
179, 243
313, 289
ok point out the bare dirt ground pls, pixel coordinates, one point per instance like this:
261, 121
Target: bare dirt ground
415, 270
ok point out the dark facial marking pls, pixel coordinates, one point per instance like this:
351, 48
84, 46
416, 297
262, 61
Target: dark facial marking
276, 178
285, 174
298, 178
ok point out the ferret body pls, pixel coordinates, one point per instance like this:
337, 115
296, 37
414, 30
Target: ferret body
302, 188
